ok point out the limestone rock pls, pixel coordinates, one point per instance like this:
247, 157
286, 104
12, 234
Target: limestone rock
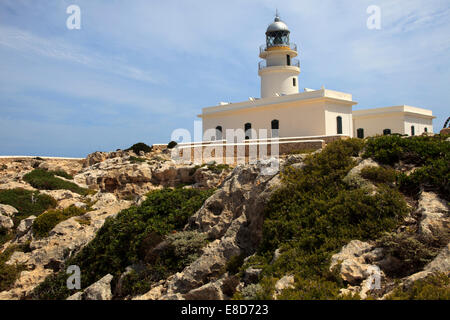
286, 282
25, 225
232, 219
118, 176
209, 291
354, 178
100, 290
7, 210
435, 221
353, 249
6, 222
48, 254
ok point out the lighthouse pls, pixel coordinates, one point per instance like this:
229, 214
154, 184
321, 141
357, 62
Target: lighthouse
279, 70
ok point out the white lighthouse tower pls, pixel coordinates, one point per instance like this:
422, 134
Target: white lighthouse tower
278, 71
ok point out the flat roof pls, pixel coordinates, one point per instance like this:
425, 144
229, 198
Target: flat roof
302, 96
393, 109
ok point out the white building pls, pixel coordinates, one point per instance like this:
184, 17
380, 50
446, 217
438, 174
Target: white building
284, 112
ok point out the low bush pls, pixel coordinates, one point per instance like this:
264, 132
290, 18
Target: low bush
126, 240
136, 159
46, 180
315, 213
48, 220
26, 202
379, 174
417, 150
433, 287
434, 176
62, 173
172, 144
408, 254
9, 273
218, 168
140, 146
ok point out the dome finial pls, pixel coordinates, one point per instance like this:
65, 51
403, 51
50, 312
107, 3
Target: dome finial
277, 15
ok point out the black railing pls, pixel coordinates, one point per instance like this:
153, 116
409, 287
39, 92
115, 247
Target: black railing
264, 47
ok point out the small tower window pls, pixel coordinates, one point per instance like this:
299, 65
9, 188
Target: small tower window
360, 133
426, 129
288, 60
339, 124
413, 130
275, 125
248, 131
294, 82
386, 131
219, 133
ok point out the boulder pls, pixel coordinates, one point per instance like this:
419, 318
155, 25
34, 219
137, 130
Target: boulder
6, 222
287, 282
232, 219
435, 222
354, 178
100, 290
25, 225
7, 210
209, 291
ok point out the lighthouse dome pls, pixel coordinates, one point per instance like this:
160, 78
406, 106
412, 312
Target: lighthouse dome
277, 25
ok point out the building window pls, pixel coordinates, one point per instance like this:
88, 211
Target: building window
248, 131
275, 125
219, 133
339, 124
386, 131
294, 82
288, 60
413, 131
426, 129
360, 133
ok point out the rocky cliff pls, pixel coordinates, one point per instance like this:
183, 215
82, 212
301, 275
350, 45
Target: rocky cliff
232, 256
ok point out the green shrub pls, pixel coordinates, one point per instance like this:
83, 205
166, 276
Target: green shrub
5, 236
46, 180
9, 273
136, 159
62, 173
127, 239
234, 264
4, 167
140, 146
408, 254
218, 168
44, 223
315, 213
434, 176
416, 150
433, 287
311, 289
172, 144
26, 202
379, 174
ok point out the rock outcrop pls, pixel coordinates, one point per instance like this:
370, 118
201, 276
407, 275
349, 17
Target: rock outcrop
232, 219
100, 290
48, 254
435, 220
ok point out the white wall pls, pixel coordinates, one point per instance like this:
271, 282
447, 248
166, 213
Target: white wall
375, 124
295, 119
279, 81
332, 111
419, 124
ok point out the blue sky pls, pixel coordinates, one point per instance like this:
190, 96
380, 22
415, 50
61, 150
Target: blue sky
137, 70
